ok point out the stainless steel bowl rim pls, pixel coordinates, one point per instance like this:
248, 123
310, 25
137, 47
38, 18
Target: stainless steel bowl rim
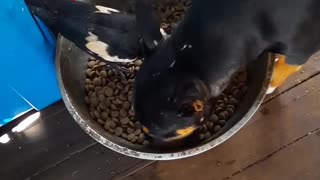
159, 156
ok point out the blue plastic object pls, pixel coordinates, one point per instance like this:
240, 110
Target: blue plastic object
27, 77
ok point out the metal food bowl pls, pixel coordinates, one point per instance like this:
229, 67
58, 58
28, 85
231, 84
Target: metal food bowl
71, 63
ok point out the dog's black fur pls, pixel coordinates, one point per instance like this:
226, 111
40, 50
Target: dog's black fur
223, 35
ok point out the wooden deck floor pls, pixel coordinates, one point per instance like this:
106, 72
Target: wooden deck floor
281, 142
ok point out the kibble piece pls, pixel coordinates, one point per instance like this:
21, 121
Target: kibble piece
93, 74
102, 98
138, 125
103, 106
115, 120
94, 102
113, 107
216, 128
214, 118
110, 73
95, 67
116, 92
107, 125
231, 106
112, 124
88, 81
92, 115
108, 91
141, 138
201, 136
230, 111
126, 105
87, 100
118, 131
103, 73
111, 98
222, 115
134, 139
96, 114
222, 105
218, 109
118, 101
124, 120
97, 89
91, 64
222, 122
131, 124
207, 135
130, 130
123, 97
210, 125
104, 115
90, 86
225, 99
138, 62
100, 121
112, 85
234, 101
102, 63
137, 132
236, 93
88, 71
124, 135
119, 86
97, 81
131, 136
226, 114
127, 88
111, 130
107, 102
204, 127
114, 114
123, 113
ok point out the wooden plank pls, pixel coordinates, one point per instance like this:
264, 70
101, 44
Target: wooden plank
299, 161
280, 122
97, 162
309, 69
50, 140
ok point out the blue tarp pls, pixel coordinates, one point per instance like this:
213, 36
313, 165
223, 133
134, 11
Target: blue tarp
27, 77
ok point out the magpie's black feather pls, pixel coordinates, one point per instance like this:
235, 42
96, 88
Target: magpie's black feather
104, 32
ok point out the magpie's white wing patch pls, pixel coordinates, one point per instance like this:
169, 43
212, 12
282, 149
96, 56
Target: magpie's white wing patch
106, 10
101, 49
91, 37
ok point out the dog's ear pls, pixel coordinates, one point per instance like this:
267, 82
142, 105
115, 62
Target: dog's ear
148, 23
